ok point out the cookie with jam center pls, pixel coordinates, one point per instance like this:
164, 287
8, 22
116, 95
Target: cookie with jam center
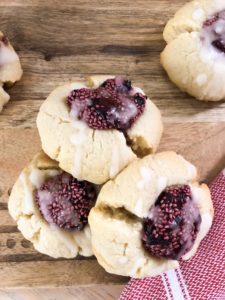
194, 57
51, 208
94, 129
153, 214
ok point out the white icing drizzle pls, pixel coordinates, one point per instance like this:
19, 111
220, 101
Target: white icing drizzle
45, 199
196, 193
146, 177
198, 14
138, 90
205, 225
122, 260
161, 183
139, 207
124, 114
115, 165
145, 173
78, 140
87, 232
28, 197
153, 214
140, 184
219, 27
201, 79
77, 85
119, 158
193, 214
7, 55
38, 177
206, 220
224, 172
192, 171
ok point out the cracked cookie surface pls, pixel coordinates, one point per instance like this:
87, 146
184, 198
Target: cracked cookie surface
194, 57
124, 204
47, 237
10, 68
92, 154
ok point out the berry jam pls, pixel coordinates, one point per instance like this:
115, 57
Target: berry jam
66, 202
113, 105
173, 223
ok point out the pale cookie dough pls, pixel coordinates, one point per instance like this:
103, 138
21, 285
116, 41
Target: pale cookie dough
47, 239
10, 68
89, 154
116, 221
193, 57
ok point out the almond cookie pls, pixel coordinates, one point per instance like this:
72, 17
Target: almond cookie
95, 129
51, 208
150, 216
10, 68
194, 57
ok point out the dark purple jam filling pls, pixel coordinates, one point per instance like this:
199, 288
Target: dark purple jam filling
66, 202
113, 105
173, 223
214, 31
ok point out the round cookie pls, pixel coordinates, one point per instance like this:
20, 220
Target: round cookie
51, 208
153, 213
194, 57
103, 139
10, 68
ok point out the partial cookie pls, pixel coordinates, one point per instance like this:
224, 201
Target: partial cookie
194, 57
95, 129
151, 215
10, 68
51, 209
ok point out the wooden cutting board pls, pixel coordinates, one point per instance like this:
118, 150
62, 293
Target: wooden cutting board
68, 40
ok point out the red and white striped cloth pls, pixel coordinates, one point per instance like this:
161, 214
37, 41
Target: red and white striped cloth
202, 277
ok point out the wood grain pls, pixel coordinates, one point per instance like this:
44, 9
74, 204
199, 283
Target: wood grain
99, 292
53, 274
67, 40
